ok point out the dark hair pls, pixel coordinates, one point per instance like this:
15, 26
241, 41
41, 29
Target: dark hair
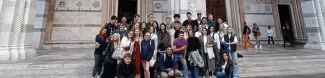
177, 15
209, 32
127, 35
103, 36
167, 17
188, 13
177, 22
268, 26
156, 23
193, 32
150, 15
136, 15
127, 55
223, 60
113, 17
245, 23
160, 27
168, 46
181, 32
199, 14
204, 18
150, 27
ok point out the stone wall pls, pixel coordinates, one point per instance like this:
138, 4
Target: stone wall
261, 13
76, 23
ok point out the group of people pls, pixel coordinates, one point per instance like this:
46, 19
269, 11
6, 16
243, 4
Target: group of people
203, 46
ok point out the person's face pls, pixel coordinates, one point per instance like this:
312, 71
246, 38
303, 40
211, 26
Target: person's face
115, 38
189, 16
176, 19
151, 29
204, 20
104, 31
229, 30
168, 27
190, 33
155, 24
147, 36
210, 17
188, 27
177, 25
200, 27
211, 29
269, 27
181, 36
199, 16
113, 21
225, 56
122, 27
219, 20
204, 32
143, 25
136, 26
124, 20
136, 18
127, 60
137, 32
169, 50
162, 27
167, 21
151, 17
130, 34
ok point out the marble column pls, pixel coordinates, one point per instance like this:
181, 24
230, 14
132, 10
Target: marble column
16, 21
314, 23
40, 24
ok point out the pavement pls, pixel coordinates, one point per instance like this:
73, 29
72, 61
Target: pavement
277, 62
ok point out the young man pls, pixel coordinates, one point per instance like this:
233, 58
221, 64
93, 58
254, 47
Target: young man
177, 29
126, 68
136, 18
168, 64
198, 21
270, 35
205, 23
246, 32
212, 22
257, 34
168, 23
176, 18
121, 31
198, 33
179, 49
112, 26
189, 21
124, 21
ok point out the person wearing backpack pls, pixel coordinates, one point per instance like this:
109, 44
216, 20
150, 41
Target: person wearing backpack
257, 34
246, 32
167, 66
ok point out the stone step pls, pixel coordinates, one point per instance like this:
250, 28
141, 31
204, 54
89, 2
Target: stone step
45, 72
44, 65
52, 76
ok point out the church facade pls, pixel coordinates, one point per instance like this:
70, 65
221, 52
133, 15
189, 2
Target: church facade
27, 25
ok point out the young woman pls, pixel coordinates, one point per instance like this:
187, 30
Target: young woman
153, 37
207, 42
110, 63
147, 49
144, 27
224, 70
137, 52
125, 64
230, 41
127, 43
163, 38
136, 26
216, 46
155, 25
270, 35
257, 34
102, 40
193, 45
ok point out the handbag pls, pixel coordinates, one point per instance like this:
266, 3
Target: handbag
118, 53
210, 52
153, 60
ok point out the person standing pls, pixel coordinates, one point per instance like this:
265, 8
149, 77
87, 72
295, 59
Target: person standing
136, 19
176, 18
207, 42
224, 70
205, 23
179, 49
257, 34
137, 51
126, 64
167, 64
198, 21
198, 33
127, 44
211, 22
121, 31
189, 21
102, 40
112, 26
153, 37
147, 51
193, 45
290, 35
216, 45
124, 21
230, 41
270, 35
110, 63
144, 27
246, 32
168, 22
177, 29
163, 38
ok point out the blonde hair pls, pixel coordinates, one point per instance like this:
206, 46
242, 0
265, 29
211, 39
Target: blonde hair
118, 36
232, 31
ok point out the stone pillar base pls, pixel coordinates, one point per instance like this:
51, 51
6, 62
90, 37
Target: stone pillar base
16, 52
317, 46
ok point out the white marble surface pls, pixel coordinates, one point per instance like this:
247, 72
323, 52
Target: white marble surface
74, 33
72, 5
77, 18
259, 19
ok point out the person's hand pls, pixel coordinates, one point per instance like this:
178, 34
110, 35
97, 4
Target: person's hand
97, 44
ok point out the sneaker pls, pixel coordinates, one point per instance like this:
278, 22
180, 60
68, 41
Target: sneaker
255, 46
260, 47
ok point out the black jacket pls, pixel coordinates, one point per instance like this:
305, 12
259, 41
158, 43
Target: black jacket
228, 69
103, 44
125, 71
109, 53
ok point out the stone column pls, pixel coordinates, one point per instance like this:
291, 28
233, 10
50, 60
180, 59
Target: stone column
314, 24
40, 24
16, 17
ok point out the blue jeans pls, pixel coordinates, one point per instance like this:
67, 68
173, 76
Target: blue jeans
221, 75
195, 72
233, 56
180, 57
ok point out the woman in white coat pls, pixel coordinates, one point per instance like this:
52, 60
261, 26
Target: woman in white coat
216, 45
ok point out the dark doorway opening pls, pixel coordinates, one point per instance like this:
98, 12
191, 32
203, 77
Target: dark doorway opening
127, 8
285, 16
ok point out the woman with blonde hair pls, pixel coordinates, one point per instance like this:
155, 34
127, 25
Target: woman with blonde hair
137, 51
109, 62
230, 41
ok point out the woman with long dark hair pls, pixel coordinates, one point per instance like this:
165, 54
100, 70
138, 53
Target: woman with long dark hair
206, 53
163, 38
224, 70
155, 25
109, 62
144, 27
193, 45
102, 41
216, 46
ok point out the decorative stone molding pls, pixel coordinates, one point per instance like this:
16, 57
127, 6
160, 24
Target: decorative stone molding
283, 1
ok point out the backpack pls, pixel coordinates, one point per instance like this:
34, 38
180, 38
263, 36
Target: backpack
249, 30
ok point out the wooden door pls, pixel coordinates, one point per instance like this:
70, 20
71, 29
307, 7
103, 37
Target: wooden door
216, 8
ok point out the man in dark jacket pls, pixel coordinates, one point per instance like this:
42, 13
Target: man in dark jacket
168, 64
121, 31
112, 26
126, 68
